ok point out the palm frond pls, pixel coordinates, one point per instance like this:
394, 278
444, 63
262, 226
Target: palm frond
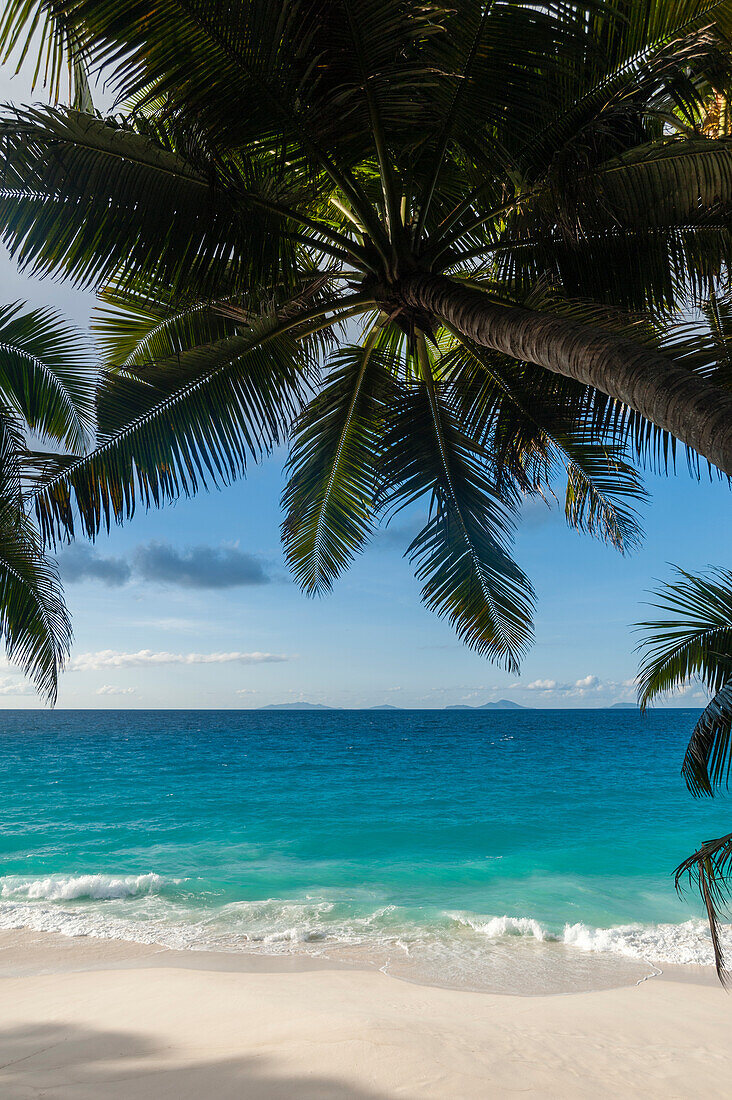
661, 183
135, 329
536, 425
97, 201
708, 871
461, 553
34, 623
190, 424
333, 466
708, 756
647, 62
601, 490
39, 27
693, 641
47, 376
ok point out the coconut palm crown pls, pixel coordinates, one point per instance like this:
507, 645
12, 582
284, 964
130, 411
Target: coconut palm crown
434, 246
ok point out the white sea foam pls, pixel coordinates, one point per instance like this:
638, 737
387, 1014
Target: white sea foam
686, 943
493, 927
72, 887
85, 922
148, 909
683, 944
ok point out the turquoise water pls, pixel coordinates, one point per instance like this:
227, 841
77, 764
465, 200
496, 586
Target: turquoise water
497, 850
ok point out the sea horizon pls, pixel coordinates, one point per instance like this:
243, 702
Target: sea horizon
375, 707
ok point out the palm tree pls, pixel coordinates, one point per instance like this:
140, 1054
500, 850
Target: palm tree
438, 246
694, 642
46, 399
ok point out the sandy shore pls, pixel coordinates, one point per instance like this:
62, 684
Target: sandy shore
95, 1019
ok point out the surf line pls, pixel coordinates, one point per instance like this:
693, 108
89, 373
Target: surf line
657, 972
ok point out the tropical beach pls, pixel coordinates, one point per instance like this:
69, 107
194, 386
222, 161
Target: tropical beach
134, 1025
423, 312
314, 919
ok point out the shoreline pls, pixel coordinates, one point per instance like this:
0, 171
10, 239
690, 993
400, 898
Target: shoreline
83, 1019
29, 952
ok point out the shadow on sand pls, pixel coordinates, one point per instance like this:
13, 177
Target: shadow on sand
80, 1064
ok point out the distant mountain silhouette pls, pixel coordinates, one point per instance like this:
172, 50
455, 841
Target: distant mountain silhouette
501, 704
624, 706
385, 706
296, 706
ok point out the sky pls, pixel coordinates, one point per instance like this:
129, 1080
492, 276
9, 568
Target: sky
192, 606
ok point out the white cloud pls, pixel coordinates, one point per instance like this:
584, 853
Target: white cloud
578, 689
110, 658
110, 689
587, 682
15, 687
247, 691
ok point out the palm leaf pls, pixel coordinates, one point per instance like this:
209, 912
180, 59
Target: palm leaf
708, 755
646, 60
139, 208
38, 26
46, 375
191, 426
33, 619
600, 485
460, 554
329, 498
695, 640
34, 623
537, 424
136, 329
708, 871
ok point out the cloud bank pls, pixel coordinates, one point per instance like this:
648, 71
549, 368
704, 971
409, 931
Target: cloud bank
159, 562
80, 562
15, 687
110, 658
198, 567
584, 686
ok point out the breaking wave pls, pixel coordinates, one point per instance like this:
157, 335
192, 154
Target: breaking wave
460, 948
686, 943
73, 887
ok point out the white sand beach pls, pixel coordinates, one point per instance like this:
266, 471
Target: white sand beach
92, 1019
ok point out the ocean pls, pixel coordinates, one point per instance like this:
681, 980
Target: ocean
517, 851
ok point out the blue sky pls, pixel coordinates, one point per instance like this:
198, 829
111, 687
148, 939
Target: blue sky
192, 606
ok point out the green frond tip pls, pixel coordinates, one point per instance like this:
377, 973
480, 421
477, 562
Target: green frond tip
708, 756
47, 375
34, 623
708, 872
539, 427
693, 640
461, 554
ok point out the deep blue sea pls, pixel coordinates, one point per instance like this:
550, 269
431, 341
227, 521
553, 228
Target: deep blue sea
495, 850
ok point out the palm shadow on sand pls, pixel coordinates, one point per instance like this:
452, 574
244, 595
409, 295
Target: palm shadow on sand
83, 1064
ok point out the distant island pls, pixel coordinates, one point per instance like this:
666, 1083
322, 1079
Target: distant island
623, 706
297, 706
502, 704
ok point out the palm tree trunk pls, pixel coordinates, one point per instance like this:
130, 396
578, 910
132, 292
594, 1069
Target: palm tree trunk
693, 410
